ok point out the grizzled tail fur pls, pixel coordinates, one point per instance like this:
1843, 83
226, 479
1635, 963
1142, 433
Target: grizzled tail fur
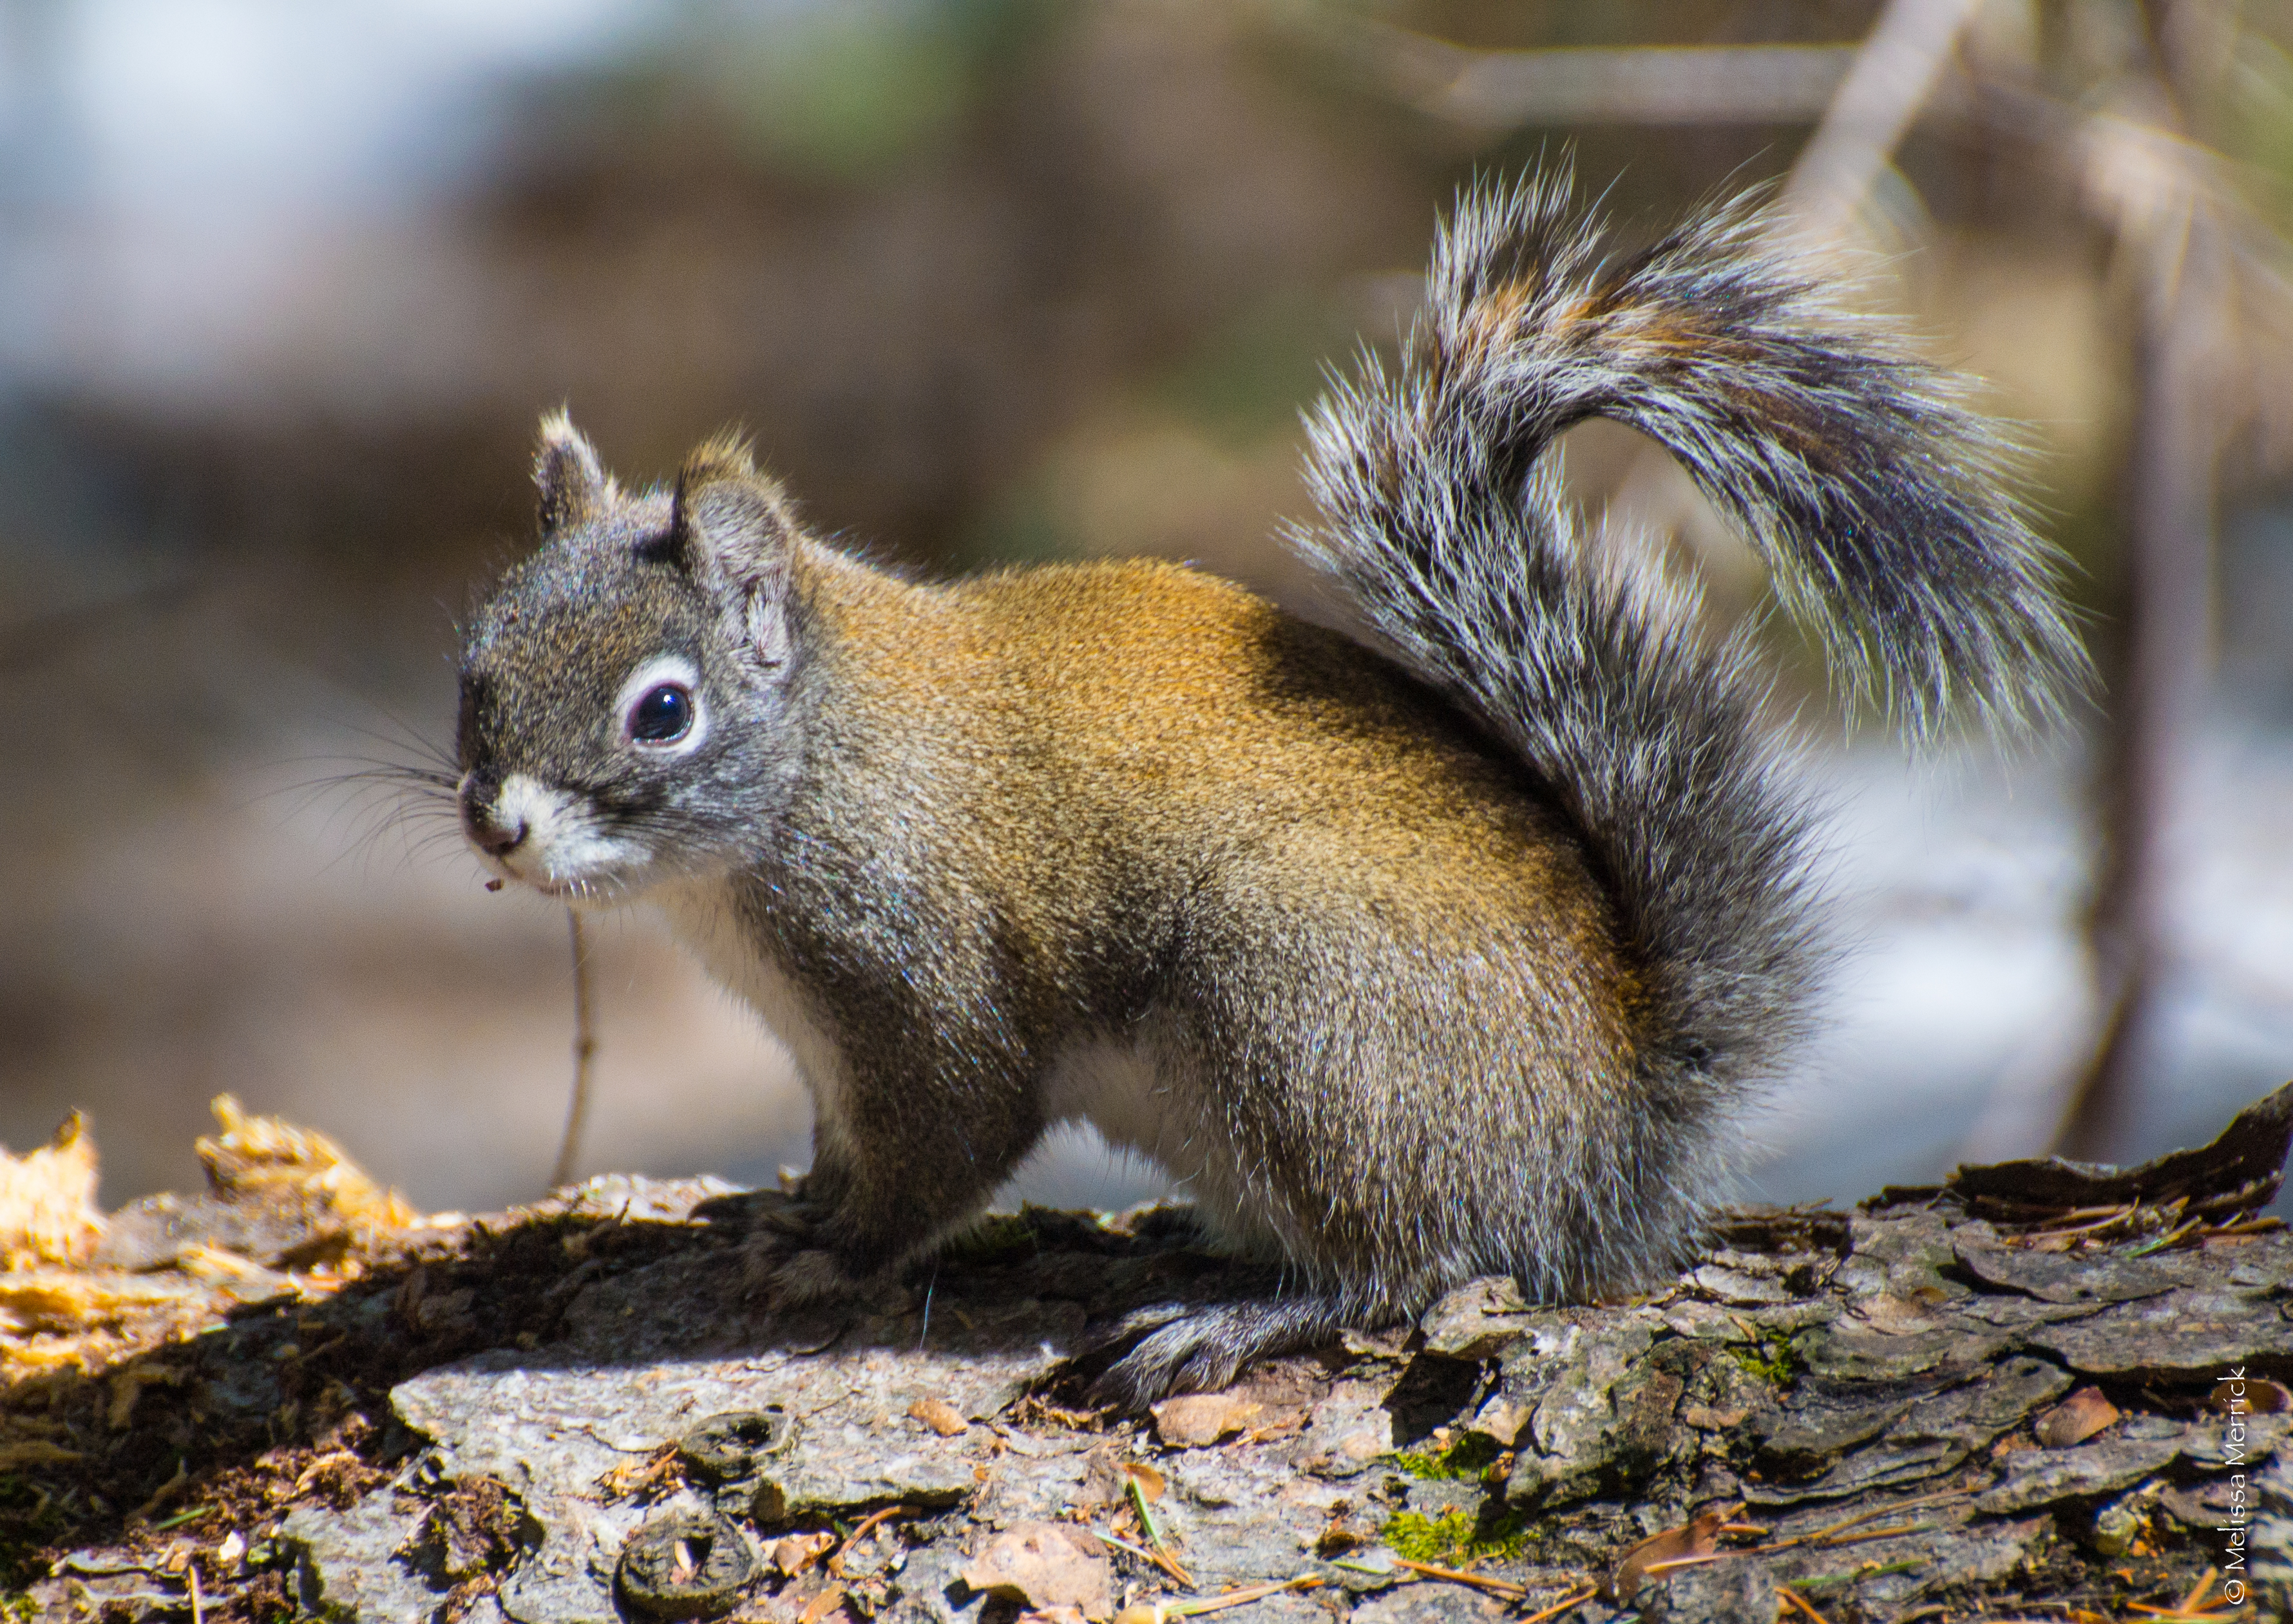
1872, 494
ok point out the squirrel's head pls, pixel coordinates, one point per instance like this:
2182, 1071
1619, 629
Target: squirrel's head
623, 691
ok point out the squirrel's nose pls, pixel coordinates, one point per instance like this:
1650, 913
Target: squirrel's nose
479, 823
494, 840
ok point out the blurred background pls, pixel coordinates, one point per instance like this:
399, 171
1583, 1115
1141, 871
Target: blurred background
283, 288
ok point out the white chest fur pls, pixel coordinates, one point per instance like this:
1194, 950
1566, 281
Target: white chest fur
700, 914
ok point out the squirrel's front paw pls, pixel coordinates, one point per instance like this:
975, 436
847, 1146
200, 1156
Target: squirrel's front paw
809, 1277
776, 1236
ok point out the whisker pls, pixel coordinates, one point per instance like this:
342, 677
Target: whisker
410, 738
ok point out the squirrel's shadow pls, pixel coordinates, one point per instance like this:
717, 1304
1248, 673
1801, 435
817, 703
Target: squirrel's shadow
289, 1397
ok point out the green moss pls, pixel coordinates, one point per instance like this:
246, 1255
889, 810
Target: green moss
1823, 1582
1470, 1456
1455, 1536
1772, 1359
1449, 1538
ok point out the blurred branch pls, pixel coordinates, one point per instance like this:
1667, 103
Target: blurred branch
1865, 95
1602, 85
2150, 184
2166, 598
2211, 310
1894, 75
2211, 325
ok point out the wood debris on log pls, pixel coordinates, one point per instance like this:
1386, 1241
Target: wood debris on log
2039, 1390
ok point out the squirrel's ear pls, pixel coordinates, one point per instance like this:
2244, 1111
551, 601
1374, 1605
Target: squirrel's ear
731, 525
574, 486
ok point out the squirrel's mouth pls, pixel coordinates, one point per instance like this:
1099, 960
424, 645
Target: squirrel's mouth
599, 888
546, 840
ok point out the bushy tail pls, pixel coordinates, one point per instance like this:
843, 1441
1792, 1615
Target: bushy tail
1872, 494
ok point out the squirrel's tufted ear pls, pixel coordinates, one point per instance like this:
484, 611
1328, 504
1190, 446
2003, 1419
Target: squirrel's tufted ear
574, 485
727, 518
732, 526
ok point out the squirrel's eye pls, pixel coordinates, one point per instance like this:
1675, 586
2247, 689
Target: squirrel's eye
663, 715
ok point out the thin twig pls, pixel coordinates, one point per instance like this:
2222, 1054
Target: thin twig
1234, 1598
1161, 1559
2188, 1606
1494, 1587
2248, 1226
1121, 1543
1169, 1563
198, 1604
2110, 1216
1673, 1563
1829, 1534
1793, 1598
584, 1047
1864, 1535
166, 1491
1574, 1598
867, 1525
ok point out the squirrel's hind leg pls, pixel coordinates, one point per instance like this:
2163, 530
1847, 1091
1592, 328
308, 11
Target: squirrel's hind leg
1206, 1347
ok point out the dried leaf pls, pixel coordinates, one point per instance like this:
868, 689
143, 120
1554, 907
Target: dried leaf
1042, 1565
1201, 1418
798, 1552
942, 1416
820, 1606
647, 1478
2075, 1420
1699, 1536
47, 1201
1149, 1481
